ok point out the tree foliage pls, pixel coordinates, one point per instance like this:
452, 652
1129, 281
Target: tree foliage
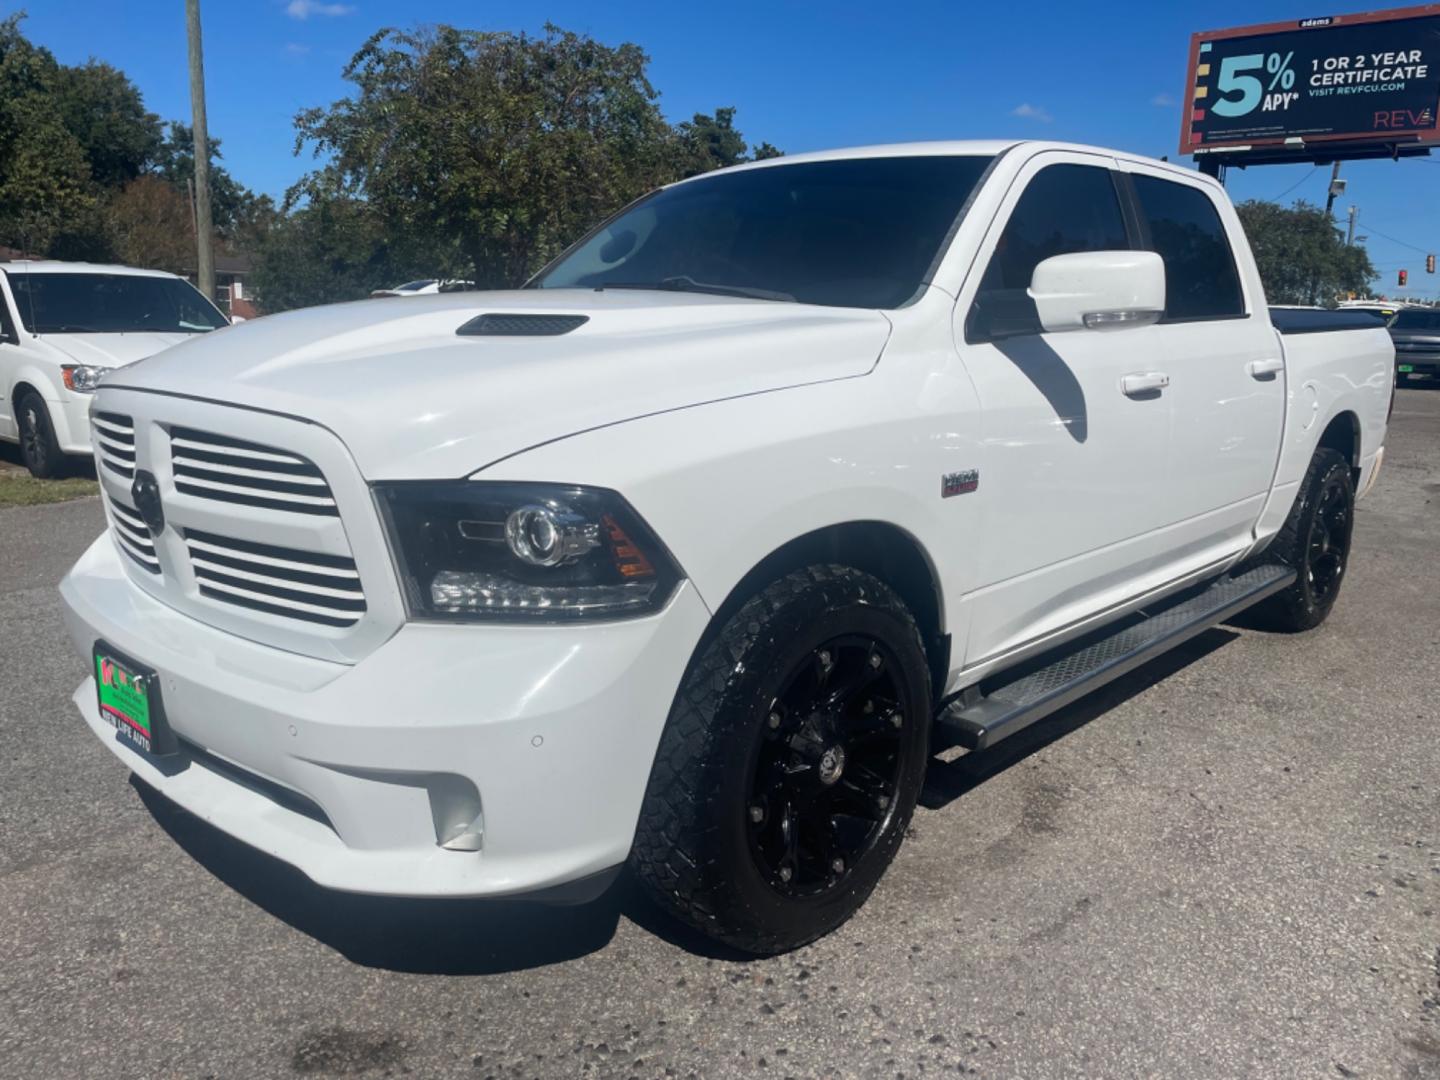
87, 172
1302, 254
493, 151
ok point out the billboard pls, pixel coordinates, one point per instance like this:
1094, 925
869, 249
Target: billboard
1365, 79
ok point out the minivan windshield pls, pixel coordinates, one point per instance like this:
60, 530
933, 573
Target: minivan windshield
1416, 320
861, 232
97, 303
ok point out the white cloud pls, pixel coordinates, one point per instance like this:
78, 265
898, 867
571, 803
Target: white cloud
294, 49
303, 9
1163, 101
1032, 112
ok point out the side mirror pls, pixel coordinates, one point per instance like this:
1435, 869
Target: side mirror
1099, 290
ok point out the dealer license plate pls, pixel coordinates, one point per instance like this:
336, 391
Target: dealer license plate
1406, 369
129, 696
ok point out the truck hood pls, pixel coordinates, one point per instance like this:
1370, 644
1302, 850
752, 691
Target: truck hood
112, 350
411, 399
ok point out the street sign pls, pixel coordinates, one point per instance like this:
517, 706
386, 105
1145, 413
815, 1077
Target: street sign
1364, 81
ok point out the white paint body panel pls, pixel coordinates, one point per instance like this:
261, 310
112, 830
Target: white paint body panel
733, 427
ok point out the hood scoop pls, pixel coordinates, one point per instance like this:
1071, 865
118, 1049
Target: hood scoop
521, 325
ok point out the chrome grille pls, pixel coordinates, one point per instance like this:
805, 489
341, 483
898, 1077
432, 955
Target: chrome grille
115, 442
230, 470
132, 534
277, 580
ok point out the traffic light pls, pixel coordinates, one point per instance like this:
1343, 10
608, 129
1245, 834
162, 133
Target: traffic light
1429, 264
1404, 276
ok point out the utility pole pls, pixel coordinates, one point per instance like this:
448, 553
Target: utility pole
1337, 186
203, 223
1350, 232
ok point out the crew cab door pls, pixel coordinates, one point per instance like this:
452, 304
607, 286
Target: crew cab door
1075, 485
1224, 362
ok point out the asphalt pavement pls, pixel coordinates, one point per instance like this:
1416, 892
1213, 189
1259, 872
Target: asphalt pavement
1225, 865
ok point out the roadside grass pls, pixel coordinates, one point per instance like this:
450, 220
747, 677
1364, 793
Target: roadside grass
19, 488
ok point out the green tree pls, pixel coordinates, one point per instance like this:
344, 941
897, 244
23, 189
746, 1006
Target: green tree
45, 183
103, 110
711, 141
331, 250
231, 203
1302, 254
492, 151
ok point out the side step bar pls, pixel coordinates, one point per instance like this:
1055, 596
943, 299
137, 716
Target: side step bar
1015, 699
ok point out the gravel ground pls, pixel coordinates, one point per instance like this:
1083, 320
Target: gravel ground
1225, 865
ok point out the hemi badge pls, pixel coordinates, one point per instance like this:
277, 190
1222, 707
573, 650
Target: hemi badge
959, 483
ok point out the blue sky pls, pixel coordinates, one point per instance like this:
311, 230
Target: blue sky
803, 76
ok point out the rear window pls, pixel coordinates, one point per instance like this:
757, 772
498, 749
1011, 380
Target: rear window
1201, 281
1417, 320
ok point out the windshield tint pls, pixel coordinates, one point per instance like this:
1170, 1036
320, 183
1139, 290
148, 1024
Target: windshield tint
1417, 320
857, 233
111, 304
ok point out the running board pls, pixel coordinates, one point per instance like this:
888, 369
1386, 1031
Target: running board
1016, 699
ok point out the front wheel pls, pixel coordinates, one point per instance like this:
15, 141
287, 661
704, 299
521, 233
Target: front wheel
790, 763
1315, 540
39, 448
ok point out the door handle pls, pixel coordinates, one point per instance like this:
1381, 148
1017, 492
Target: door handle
1144, 383
1264, 369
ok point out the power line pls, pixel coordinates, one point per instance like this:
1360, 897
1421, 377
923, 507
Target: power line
1423, 251
1297, 183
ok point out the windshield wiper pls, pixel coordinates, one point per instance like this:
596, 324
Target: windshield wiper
685, 283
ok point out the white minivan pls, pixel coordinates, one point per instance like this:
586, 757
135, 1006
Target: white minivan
63, 325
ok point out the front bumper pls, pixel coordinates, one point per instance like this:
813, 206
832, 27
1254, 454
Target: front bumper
549, 731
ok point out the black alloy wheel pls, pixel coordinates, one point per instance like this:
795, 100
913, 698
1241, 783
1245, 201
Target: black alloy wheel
790, 762
1315, 540
826, 773
1328, 549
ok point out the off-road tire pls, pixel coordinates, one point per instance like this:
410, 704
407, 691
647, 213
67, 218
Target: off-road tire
38, 447
1299, 608
692, 852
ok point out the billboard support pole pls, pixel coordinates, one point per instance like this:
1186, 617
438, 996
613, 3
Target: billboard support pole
1209, 166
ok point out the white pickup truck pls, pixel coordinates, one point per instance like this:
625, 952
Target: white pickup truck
62, 326
690, 554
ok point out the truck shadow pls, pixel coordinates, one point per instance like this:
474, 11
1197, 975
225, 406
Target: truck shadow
485, 937
419, 936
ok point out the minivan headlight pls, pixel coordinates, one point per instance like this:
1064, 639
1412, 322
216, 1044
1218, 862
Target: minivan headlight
478, 550
82, 378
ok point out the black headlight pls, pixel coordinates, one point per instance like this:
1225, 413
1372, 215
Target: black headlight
475, 550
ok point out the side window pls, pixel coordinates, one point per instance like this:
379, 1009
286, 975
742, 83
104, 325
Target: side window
1064, 209
1201, 281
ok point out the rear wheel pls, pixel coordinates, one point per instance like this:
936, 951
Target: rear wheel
790, 764
1315, 540
38, 446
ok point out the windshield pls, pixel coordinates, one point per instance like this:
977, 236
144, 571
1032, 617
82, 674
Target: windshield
856, 233
111, 304
1417, 320
415, 286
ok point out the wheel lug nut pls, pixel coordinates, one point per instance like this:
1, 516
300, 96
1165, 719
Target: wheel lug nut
882, 801
774, 720
824, 657
897, 720
875, 659
838, 866
786, 873
757, 814
869, 707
